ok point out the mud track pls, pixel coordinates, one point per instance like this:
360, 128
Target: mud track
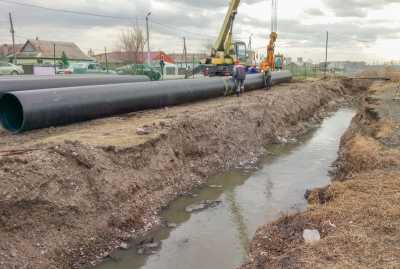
70, 195
358, 215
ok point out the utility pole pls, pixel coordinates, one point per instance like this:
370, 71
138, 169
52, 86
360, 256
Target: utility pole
250, 47
148, 37
12, 31
193, 65
54, 58
326, 53
105, 54
185, 51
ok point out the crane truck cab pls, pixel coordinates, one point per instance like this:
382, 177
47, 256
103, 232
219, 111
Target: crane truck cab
241, 52
225, 51
221, 64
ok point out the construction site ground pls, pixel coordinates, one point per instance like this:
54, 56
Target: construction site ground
71, 195
358, 215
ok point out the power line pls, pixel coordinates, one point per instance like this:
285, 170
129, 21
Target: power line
83, 13
65, 10
171, 29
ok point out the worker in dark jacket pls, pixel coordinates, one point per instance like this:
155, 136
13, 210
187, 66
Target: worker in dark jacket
239, 75
268, 79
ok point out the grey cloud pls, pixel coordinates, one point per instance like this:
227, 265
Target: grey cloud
211, 4
199, 21
172, 24
179, 20
314, 12
356, 8
343, 34
130, 12
42, 17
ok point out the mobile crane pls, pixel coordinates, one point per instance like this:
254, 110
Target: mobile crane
225, 52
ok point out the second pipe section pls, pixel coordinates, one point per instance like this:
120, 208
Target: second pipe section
27, 110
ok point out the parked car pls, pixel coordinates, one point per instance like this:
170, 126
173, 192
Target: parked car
87, 68
10, 69
139, 69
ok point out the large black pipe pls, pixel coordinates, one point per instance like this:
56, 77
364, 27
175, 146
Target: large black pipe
24, 83
27, 110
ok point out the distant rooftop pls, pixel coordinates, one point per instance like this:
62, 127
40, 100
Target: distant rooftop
45, 49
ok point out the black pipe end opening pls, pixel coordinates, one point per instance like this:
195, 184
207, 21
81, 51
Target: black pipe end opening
11, 113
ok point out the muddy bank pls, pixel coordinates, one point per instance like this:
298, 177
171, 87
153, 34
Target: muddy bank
70, 195
357, 216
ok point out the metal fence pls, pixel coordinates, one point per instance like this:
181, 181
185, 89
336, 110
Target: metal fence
314, 71
305, 71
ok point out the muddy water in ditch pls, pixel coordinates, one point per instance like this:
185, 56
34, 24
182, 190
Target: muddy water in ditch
218, 237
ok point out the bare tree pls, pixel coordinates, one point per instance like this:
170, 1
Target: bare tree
132, 41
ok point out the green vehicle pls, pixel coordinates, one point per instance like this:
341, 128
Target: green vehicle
139, 69
10, 69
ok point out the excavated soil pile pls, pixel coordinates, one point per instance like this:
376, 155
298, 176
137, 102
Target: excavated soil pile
70, 195
358, 216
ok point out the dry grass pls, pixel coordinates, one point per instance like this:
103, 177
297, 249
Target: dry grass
371, 73
388, 72
362, 153
366, 213
380, 87
392, 73
384, 129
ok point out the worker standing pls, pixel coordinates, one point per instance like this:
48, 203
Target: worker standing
239, 75
268, 79
162, 65
278, 63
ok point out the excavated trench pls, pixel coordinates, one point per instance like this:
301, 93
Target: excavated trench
72, 195
216, 233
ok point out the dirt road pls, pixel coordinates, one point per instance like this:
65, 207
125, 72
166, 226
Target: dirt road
358, 216
70, 195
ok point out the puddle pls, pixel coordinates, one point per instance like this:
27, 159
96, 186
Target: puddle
218, 237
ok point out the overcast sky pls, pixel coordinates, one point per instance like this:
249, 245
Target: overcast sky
359, 29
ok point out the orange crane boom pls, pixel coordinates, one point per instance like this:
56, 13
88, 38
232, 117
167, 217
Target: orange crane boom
268, 64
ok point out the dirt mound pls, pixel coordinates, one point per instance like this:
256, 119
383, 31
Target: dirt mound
363, 153
70, 195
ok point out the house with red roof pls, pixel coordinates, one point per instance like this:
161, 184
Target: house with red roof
123, 57
36, 51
